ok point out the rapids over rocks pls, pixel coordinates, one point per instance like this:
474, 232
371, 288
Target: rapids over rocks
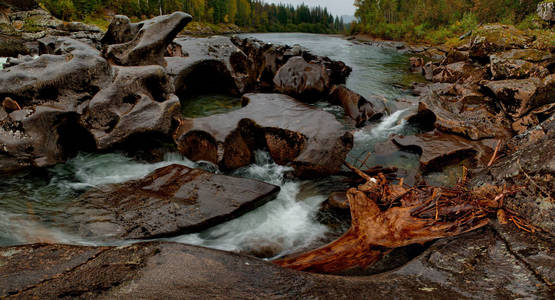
142, 162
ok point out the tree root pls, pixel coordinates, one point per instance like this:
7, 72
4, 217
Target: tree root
387, 216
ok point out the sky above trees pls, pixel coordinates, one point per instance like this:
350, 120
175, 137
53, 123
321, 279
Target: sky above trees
336, 7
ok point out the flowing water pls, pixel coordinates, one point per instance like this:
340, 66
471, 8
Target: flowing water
32, 204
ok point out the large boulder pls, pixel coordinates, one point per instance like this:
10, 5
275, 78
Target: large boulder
170, 201
493, 263
208, 65
469, 115
491, 38
438, 149
148, 44
502, 68
302, 80
310, 140
138, 102
42, 136
266, 59
355, 106
518, 97
69, 70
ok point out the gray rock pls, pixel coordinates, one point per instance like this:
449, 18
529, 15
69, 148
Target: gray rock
148, 45
546, 11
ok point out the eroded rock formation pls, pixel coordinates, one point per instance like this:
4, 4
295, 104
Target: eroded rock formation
310, 140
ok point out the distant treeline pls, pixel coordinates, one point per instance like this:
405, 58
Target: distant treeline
253, 14
437, 19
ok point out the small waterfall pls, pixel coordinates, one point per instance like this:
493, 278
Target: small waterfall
284, 225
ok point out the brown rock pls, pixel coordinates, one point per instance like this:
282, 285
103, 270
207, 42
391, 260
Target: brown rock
355, 106
518, 97
10, 105
171, 270
311, 140
169, 201
439, 149
515, 68
491, 38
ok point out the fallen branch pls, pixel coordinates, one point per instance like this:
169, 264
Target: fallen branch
494, 156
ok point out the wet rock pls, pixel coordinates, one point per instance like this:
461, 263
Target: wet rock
546, 11
212, 64
40, 137
170, 201
476, 265
138, 101
266, 59
530, 165
515, 68
302, 80
355, 106
473, 119
148, 45
310, 140
438, 149
492, 38
518, 97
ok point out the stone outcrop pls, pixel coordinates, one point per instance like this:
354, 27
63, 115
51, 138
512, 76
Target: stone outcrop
529, 165
519, 97
310, 140
212, 64
515, 266
144, 43
494, 37
138, 101
439, 149
170, 201
355, 106
302, 80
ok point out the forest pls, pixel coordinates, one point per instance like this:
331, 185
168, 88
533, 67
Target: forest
254, 15
438, 20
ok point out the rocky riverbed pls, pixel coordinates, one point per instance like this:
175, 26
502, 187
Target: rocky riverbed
68, 88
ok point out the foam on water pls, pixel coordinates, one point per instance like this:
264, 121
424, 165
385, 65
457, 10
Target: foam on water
2, 62
285, 224
91, 170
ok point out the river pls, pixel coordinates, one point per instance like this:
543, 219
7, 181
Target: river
32, 206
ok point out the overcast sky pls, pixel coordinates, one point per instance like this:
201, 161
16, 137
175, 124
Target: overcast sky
336, 7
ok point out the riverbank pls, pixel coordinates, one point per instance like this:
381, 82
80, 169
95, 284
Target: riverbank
238, 143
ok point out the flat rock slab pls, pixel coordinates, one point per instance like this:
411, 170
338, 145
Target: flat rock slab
170, 201
477, 265
309, 139
439, 149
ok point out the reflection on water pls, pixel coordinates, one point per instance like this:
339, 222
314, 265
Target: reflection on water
211, 104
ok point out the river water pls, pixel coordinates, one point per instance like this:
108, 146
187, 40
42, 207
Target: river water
32, 206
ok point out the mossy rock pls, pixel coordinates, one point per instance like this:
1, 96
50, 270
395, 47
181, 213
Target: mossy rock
492, 38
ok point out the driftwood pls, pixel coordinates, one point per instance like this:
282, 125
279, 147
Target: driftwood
387, 216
